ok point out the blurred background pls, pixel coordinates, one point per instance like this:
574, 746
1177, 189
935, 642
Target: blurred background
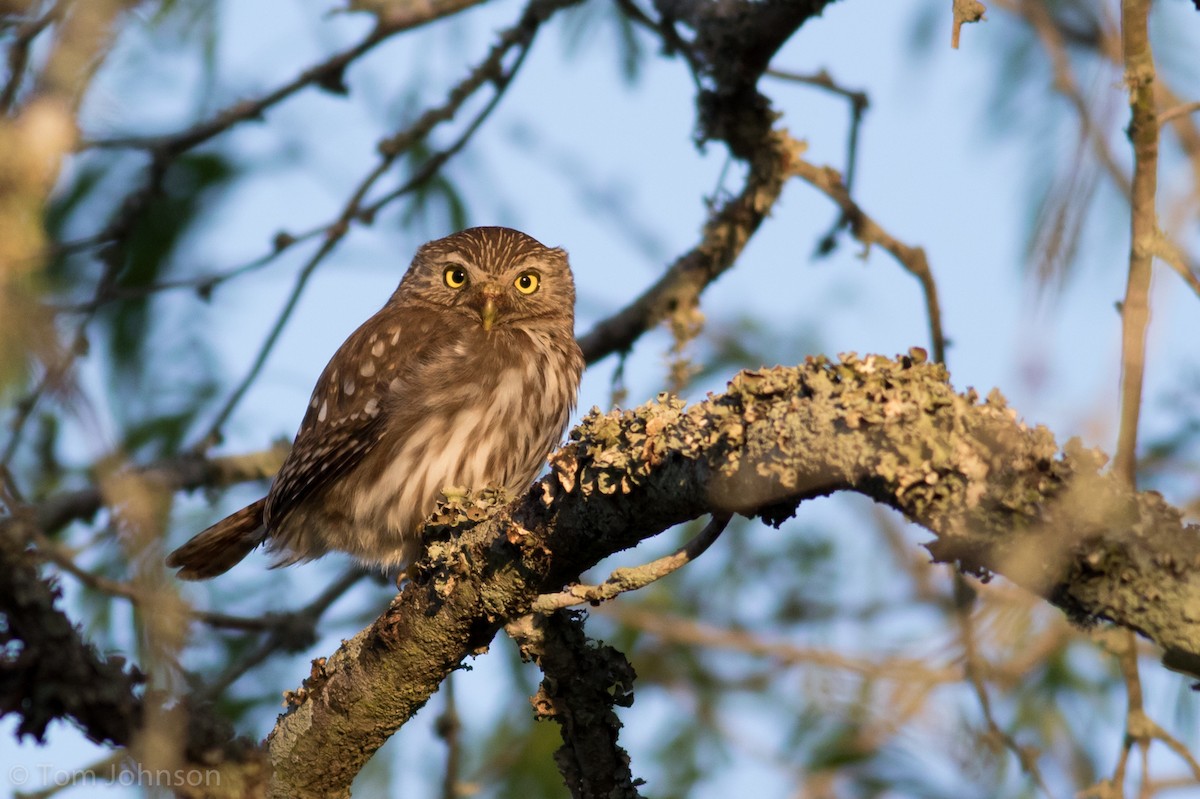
825, 659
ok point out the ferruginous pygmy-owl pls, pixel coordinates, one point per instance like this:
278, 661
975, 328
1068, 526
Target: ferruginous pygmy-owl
465, 377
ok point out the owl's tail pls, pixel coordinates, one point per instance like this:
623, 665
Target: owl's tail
222, 546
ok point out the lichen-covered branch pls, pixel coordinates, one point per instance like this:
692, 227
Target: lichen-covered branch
583, 682
998, 495
48, 672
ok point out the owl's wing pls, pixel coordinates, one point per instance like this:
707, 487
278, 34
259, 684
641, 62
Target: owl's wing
345, 417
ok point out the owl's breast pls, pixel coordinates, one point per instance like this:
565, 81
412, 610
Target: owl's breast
488, 414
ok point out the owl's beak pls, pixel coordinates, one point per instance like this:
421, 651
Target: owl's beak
488, 312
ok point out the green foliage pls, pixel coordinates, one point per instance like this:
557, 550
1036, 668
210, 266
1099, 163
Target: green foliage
188, 189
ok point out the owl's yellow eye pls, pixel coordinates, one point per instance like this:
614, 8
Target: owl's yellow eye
455, 277
527, 283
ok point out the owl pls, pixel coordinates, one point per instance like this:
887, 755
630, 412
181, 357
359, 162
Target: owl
465, 377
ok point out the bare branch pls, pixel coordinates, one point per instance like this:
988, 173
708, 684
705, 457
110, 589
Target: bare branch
327, 74
973, 666
18, 52
1178, 112
1135, 309
184, 472
869, 232
1173, 256
690, 632
632, 579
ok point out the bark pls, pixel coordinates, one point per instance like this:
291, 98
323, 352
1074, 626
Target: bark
584, 681
999, 496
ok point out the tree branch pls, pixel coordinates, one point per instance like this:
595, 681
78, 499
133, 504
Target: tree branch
183, 472
584, 681
48, 672
868, 232
1135, 309
725, 236
997, 494
327, 74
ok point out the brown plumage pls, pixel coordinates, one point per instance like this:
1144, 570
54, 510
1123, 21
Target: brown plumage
465, 378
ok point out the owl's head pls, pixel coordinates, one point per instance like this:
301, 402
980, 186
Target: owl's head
493, 275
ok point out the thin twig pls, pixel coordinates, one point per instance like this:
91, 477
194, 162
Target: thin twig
327, 74
1052, 40
18, 52
267, 622
634, 578
66, 561
823, 80
54, 376
1135, 309
58, 366
293, 632
690, 632
1173, 256
973, 665
186, 473
1178, 111
869, 232
203, 283
859, 103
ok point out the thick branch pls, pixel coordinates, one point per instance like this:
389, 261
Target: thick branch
998, 495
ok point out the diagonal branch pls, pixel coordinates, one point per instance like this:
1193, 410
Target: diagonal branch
327, 74
997, 494
638, 577
725, 236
